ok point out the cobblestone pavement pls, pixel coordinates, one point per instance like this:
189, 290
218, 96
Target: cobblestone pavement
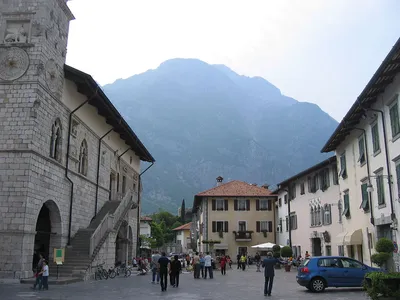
235, 285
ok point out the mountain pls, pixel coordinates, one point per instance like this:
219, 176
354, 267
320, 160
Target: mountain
200, 121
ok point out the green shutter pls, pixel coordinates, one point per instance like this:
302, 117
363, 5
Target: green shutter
364, 194
398, 179
346, 205
394, 120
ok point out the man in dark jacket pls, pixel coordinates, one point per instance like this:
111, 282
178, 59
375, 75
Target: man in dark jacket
269, 272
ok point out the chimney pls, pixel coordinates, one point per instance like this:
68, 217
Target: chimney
219, 180
265, 186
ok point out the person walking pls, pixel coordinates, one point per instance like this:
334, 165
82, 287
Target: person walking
238, 261
269, 272
176, 268
196, 266
243, 260
222, 263
38, 274
258, 261
202, 264
164, 268
208, 266
154, 267
45, 276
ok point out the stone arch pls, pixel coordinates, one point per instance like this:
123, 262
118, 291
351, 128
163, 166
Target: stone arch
48, 230
56, 140
122, 243
130, 237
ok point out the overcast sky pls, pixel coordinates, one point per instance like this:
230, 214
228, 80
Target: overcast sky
318, 51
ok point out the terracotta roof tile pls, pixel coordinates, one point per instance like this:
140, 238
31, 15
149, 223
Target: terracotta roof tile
236, 188
184, 227
146, 218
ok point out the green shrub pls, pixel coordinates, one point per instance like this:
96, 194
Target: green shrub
384, 245
286, 252
381, 258
379, 284
276, 248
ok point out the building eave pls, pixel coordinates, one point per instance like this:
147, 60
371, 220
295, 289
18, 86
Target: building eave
88, 86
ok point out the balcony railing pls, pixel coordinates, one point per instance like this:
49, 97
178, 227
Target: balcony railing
243, 236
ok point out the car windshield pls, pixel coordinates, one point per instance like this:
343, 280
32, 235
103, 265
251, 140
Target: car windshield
305, 262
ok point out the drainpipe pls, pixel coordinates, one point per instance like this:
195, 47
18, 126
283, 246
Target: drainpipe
372, 220
98, 170
71, 200
138, 211
393, 216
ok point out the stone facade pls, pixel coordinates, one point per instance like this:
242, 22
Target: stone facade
36, 99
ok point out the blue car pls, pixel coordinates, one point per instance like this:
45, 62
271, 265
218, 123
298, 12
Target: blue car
320, 272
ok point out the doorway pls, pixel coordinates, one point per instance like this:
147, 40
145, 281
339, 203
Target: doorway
316, 247
48, 231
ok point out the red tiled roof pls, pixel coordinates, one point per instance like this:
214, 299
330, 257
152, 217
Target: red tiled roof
146, 219
184, 227
236, 188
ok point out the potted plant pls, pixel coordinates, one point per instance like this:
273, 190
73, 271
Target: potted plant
384, 248
276, 252
287, 252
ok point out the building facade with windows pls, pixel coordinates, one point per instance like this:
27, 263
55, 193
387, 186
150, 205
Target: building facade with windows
69, 163
309, 211
236, 215
367, 147
183, 237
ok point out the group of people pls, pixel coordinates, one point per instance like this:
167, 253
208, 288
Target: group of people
41, 274
202, 264
162, 266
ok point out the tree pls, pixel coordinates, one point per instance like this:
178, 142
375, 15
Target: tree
384, 248
286, 251
162, 226
183, 211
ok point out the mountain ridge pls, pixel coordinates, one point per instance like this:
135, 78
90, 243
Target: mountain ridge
200, 121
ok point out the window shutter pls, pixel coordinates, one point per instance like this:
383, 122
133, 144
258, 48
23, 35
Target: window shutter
247, 204
226, 204
214, 204
214, 226
270, 226
269, 204
257, 204
236, 204
258, 225
226, 226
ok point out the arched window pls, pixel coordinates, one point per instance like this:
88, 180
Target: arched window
327, 214
312, 216
55, 140
83, 158
318, 215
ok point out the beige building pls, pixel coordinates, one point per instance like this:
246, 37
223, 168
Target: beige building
236, 215
182, 237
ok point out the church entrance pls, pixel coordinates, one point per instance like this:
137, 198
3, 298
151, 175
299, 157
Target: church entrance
48, 231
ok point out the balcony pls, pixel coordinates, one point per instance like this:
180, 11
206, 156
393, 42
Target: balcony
243, 236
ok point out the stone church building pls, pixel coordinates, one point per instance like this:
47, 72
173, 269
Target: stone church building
69, 163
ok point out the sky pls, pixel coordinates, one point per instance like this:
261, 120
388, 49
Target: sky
319, 51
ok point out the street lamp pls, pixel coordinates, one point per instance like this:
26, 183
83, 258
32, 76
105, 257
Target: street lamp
370, 188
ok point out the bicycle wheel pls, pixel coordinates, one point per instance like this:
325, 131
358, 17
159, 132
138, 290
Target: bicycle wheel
127, 273
112, 274
105, 274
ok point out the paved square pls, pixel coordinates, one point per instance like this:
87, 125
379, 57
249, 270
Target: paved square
235, 285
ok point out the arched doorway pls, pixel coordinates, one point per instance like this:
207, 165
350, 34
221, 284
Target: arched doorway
48, 231
121, 243
130, 246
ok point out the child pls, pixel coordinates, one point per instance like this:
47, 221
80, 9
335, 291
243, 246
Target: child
45, 276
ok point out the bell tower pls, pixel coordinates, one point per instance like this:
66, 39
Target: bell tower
33, 45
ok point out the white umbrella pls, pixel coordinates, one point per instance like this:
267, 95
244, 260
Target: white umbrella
265, 245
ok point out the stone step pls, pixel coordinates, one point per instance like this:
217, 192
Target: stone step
54, 280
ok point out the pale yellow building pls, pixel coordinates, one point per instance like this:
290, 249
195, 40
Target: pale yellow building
182, 236
236, 215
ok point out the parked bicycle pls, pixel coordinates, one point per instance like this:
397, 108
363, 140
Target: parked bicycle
122, 269
100, 273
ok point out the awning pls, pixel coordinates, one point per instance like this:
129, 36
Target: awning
220, 246
340, 238
354, 237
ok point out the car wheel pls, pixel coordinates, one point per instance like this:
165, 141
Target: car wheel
317, 285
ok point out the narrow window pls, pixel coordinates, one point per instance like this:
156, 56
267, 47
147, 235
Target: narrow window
394, 119
343, 170
361, 150
375, 138
346, 210
380, 190
55, 140
83, 158
364, 196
